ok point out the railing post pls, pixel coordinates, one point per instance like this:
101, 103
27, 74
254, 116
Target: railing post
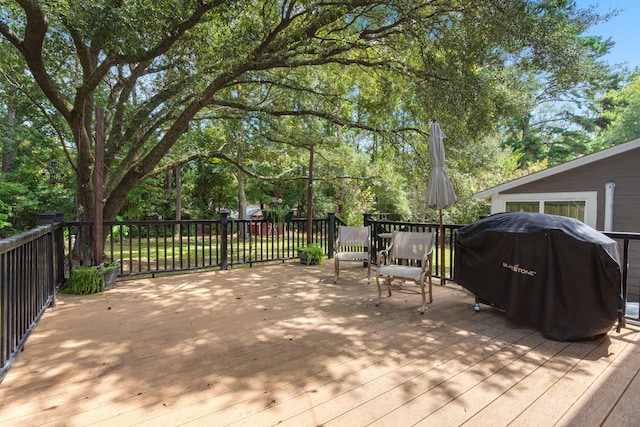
625, 272
332, 234
368, 219
48, 219
224, 240
59, 247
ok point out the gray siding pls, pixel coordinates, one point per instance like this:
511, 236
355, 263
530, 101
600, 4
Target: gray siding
624, 171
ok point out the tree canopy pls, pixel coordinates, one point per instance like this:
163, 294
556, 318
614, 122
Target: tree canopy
293, 72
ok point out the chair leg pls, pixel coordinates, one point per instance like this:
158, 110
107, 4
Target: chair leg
368, 273
424, 299
430, 289
336, 270
379, 291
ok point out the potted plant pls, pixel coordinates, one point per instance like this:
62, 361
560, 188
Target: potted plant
90, 279
110, 272
311, 254
84, 280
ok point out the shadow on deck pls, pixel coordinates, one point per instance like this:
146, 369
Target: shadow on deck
284, 345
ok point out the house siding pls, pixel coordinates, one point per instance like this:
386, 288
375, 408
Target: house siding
623, 170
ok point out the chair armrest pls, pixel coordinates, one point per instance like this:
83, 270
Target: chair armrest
426, 260
382, 257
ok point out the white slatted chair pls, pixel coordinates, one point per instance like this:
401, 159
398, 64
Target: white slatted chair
353, 244
408, 257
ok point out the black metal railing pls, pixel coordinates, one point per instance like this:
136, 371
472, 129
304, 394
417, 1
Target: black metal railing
153, 247
35, 263
630, 271
30, 269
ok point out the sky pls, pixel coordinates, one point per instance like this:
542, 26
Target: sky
623, 29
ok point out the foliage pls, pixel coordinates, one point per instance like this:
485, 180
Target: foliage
109, 266
275, 215
119, 231
253, 85
84, 280
622, 115
30, 184
313, 254
5, 213
151, 199
554, 115
90, 279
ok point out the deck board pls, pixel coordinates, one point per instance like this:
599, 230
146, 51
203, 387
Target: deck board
284, 345
558, 398
610, 398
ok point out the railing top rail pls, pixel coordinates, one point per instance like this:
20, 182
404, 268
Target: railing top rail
418, 224
10, 243
145, 222
622, 235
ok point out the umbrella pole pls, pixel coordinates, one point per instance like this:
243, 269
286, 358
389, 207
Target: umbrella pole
442, 279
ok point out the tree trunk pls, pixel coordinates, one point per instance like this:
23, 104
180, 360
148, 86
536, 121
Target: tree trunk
98, 184
242, 197
168, 182
9, 144
242, 206
178, 199
526, 126
85, 198
310, 197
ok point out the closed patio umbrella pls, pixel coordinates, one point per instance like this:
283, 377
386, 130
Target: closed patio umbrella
440, 194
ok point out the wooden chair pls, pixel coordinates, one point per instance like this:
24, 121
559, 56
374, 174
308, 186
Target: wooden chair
409, 257
353, 244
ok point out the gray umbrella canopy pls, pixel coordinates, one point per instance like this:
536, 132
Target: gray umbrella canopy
440, 194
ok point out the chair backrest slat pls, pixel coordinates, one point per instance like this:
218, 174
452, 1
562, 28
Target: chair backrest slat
354, 236
411, 245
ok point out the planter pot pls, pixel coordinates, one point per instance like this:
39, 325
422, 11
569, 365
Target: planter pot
303, 259
110, 277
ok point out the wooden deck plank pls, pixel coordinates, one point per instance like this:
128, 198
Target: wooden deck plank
611, 390
434, 388
282, 344
558, 399
365, 379
300, 368
530, 353
237, 340
627, 409
517, 399
340, 377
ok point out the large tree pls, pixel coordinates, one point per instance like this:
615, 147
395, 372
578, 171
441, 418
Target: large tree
555, 109
156, 66
621, 114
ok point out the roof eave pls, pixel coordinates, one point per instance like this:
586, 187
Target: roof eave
582, 161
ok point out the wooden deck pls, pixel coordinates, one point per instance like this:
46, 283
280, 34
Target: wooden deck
283, 345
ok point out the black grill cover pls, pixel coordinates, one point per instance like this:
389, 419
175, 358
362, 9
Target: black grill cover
556, 273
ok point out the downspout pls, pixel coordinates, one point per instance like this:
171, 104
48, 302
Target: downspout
608, 205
